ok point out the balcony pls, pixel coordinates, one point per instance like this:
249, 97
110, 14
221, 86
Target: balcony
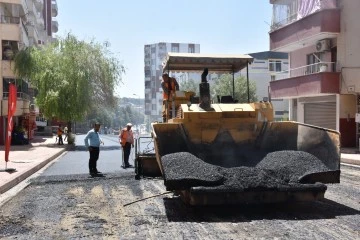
24, 38
19, 95
9, 19
21, 3
54, 26
9, 28
54, 9
39, 20
292, 34
22, 104
33, 34
310, 80
32, 8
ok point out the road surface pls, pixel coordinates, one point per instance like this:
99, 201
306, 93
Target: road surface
65, 203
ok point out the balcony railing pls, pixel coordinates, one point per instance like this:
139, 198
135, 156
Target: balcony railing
20, 95
306, 70
286, 21
9, 19
286, 14
24, 27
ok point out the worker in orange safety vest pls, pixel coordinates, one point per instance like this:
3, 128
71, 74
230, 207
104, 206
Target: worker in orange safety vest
126, 139
169, 86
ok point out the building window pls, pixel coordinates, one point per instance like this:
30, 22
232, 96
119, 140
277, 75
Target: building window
22, 87
275, 65
284, 12
9, 49
153, 107
174, 47
6, 83
191, 48
162, 46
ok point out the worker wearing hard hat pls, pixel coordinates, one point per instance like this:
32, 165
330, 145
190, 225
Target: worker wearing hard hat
169, 86
126, 139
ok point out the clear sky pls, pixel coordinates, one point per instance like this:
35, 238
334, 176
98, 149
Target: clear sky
219, 26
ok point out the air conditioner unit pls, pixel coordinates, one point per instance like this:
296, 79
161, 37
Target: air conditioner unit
323, 45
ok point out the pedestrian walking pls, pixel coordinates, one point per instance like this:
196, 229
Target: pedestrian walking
59, 133
94, 148
66, 133
126, 139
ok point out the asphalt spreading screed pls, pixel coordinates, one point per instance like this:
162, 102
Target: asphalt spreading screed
276, 171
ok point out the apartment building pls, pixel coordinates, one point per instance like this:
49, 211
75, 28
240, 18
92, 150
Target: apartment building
22, 23
262, 71
154, 55
323, 84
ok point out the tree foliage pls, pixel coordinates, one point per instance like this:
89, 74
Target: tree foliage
223, 86
122, 114
73, 78
190, 85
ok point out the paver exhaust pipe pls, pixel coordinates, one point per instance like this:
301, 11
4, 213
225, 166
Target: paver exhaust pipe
204, 91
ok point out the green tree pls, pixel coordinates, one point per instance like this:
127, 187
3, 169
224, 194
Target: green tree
73, 77
190, 85
223, 86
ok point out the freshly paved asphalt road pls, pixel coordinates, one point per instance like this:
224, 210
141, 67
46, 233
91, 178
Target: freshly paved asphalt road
110, 159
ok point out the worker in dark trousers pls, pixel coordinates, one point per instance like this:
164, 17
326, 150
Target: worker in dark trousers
126, 139
94, 148
59, 134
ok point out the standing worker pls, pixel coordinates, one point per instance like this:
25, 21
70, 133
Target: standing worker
59, 134
169, 86
126, 139
66, 133
93, 147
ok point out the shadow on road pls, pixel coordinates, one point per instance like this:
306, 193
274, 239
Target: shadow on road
177, 211
102, 148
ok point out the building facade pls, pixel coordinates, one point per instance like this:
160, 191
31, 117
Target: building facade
323, 84
263, 69
22, 23
154, 57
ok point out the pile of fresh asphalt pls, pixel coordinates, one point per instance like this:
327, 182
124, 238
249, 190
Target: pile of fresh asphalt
182, 170
291, 166
279, 171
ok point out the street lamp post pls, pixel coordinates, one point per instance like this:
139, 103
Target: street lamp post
138, 121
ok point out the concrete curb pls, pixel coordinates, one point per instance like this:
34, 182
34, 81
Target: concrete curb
350, 161
7, 186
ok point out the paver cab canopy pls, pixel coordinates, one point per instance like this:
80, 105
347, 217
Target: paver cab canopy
216, 63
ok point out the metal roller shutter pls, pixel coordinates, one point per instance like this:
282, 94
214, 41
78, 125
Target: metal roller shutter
320, 114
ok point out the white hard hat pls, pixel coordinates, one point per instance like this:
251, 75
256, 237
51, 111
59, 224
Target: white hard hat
129, 125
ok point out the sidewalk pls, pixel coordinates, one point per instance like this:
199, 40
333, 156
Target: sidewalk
27, 159
350, 156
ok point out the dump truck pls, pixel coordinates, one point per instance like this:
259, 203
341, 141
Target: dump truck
225, 152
